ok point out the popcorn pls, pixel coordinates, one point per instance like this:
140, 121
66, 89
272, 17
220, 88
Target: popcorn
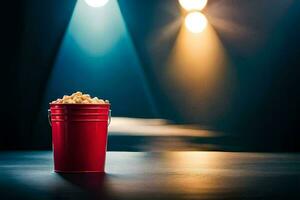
79, 98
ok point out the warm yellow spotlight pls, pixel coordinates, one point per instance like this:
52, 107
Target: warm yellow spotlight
195, 22
96, 3
193, 4
199, 68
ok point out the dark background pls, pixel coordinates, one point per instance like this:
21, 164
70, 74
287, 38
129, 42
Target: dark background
265, 59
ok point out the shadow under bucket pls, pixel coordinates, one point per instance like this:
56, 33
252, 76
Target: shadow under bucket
79, 136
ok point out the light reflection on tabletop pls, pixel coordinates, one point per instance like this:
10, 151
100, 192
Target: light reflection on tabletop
155, 127
155, 175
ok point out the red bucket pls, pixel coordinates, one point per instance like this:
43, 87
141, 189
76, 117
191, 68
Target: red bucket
79, 136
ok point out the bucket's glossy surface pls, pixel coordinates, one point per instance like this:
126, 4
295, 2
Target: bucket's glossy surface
79, 136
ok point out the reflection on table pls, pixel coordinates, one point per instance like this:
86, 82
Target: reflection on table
156, 175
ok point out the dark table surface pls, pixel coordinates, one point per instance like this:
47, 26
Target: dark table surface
155, 175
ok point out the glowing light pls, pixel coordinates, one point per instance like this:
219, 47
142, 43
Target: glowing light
95, 40
195, 22
96, 3
193, 4
202, 60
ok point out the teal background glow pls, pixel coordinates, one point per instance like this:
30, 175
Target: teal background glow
97, 57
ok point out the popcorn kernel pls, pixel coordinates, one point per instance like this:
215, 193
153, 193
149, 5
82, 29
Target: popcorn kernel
79, 98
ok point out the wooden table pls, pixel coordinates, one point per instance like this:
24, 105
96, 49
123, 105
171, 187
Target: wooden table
155, 175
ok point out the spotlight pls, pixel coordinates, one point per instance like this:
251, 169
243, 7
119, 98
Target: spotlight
96, 3
193, 4
195, 22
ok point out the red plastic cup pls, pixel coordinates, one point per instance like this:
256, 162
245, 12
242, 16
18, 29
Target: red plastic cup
79, 136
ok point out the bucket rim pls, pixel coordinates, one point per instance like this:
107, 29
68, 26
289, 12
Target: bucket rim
79, 104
